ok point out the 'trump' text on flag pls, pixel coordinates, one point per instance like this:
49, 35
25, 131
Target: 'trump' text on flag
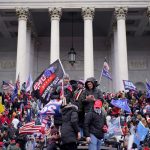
128, 85
48, 78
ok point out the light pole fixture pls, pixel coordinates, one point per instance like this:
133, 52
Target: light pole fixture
72, 53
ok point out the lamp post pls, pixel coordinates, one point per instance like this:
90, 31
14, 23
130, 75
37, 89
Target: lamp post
72, 56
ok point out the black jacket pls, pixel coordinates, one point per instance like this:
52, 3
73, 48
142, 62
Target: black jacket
88, 104
68, 93
93, 124
70, 126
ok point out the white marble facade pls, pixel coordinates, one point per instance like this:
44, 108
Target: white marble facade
138, 59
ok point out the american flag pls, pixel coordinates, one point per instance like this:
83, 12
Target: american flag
30, 128
7, 87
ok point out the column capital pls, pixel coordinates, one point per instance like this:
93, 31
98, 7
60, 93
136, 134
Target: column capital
22, 13
121, 12
55, 13
88, 13
114, 25
148, 12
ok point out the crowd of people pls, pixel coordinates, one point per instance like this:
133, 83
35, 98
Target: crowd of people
86, 114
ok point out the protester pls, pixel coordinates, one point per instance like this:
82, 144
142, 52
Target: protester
90, 94
54, 139
13, 145
77, 100
70, 131
95, 126
22, 117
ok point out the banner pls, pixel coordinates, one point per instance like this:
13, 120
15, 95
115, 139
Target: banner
105, 70
29, 83
7, 87
121, 103
15, 93
52, 108
48, 78
114, 127
128, 85
141, 133
31, 128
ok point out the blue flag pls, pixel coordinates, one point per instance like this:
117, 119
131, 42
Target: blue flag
15, 93
147, 89
128, 85
29, 83
52, 108
105, 71
121, 103
141, 133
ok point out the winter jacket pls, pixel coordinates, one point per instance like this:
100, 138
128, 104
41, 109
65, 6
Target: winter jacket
88, 104
56, 93
77, 100
70, 126
93, 124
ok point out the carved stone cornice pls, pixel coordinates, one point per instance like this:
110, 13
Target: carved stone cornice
55, 13
121, 12
22, 13
88, 13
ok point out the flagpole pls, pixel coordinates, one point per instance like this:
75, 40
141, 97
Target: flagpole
63, 95
102, 72
100, 76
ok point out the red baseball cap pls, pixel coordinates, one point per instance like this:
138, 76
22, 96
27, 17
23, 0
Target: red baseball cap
1, 144
98, 104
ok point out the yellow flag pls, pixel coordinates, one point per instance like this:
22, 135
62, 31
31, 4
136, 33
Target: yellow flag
2, 109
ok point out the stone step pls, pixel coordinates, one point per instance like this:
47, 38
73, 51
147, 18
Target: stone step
80, 147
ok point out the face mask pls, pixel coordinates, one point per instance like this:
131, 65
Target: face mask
98, 110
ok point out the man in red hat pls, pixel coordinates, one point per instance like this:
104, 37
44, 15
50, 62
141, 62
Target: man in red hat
95, 126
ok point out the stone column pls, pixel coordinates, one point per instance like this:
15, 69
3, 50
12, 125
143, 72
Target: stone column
121, 51
114, 46
21, 44
88, 14
148, 13
55, 14
32, 57
28, 52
